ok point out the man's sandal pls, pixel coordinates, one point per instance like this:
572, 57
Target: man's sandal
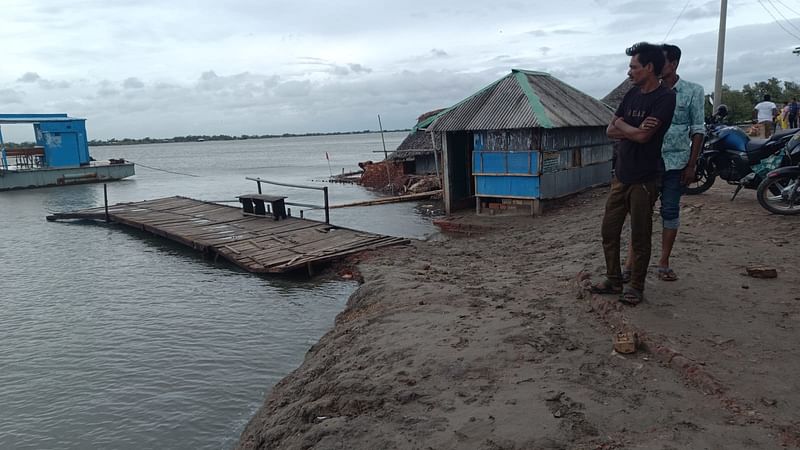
606, 287
667, 274
631, 296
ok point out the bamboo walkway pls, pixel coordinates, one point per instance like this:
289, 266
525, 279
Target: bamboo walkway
254, 243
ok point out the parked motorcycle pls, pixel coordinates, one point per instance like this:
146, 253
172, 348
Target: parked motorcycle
729, 153
779, 193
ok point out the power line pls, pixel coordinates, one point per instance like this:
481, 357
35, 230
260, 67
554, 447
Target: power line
784, 17
787, 7
776, 20
676, 21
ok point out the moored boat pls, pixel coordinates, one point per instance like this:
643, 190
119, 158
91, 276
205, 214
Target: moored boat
60, 155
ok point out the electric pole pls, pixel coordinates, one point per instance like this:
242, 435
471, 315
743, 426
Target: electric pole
723, 12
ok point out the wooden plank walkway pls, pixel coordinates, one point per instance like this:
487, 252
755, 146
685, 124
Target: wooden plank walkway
254, 243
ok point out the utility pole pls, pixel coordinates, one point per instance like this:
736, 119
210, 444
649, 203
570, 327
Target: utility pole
723, 12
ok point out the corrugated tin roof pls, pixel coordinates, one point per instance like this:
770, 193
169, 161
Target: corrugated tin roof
614, 98
416, 143
524, 99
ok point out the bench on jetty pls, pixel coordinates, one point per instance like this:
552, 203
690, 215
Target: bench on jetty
255, 204
254, 243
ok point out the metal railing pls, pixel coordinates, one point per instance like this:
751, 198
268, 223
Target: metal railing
325, 206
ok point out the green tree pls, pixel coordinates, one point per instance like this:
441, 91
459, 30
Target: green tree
740, 103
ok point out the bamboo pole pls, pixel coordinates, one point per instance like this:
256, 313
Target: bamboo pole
397, 199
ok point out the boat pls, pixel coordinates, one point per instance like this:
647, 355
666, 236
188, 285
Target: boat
59, 157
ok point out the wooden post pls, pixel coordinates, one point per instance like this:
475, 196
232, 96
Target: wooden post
327, 207
446, 188
105, 200
536, 207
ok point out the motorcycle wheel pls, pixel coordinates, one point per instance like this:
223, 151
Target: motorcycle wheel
780, 195
703, 180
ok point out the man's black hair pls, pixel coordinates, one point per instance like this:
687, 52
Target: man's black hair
767, 97
672, 52
648, 54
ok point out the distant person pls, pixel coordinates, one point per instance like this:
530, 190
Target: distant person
639, 126
764, 113
782, 119
794, 112
680, 150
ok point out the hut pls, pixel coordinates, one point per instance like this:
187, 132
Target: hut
417, 152
614, 98
525, 138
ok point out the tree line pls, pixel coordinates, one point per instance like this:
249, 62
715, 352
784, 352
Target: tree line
199, 138
219, 137
740, 103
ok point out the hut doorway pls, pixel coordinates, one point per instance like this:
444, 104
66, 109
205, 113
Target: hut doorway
461, 185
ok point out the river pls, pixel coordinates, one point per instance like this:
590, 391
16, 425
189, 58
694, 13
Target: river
110, 338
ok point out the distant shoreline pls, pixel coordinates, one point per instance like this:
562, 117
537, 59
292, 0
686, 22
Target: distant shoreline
222, 137
203, 138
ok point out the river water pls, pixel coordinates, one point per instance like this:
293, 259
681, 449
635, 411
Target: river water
110, 338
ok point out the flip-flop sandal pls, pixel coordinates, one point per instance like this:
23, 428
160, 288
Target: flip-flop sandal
626, 276
631, 296
606, 287
667, 274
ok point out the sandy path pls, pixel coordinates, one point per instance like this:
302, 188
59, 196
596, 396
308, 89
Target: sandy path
480, 342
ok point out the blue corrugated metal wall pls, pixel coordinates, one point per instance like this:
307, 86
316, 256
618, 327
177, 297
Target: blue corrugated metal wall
507, 163
65, 143
506, 173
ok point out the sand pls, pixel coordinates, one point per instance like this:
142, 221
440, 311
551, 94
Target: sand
489, 342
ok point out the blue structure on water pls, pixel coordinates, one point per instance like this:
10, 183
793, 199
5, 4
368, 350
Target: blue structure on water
59, 156
61, 139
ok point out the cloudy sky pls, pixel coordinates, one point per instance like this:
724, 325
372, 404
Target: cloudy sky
137, 68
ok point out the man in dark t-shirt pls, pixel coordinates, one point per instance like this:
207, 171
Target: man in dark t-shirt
639, 126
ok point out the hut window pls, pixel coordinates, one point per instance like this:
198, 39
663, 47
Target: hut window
576, 157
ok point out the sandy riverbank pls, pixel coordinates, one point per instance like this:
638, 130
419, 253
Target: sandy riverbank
480, 342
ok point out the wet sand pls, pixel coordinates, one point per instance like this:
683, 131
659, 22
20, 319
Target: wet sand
489, 342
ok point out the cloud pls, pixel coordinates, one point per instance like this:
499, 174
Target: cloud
233, 67
10, 96
33, 77
358, 68
29, 77
293, 89
347, 69
132, 83
107, 92
562, 32
568, 32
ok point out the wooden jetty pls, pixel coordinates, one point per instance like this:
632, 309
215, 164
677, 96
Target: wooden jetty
255, 243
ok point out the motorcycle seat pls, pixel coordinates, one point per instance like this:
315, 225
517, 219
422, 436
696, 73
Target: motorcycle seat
755, 144
780, 134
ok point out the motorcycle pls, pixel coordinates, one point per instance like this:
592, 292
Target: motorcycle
730, 154
779, 193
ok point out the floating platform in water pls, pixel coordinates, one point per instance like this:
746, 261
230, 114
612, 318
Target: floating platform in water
59, 157
95, 172
255, 243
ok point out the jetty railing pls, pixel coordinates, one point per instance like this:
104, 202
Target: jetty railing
325, 206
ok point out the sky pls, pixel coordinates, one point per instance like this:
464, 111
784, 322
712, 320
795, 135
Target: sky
154, 68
